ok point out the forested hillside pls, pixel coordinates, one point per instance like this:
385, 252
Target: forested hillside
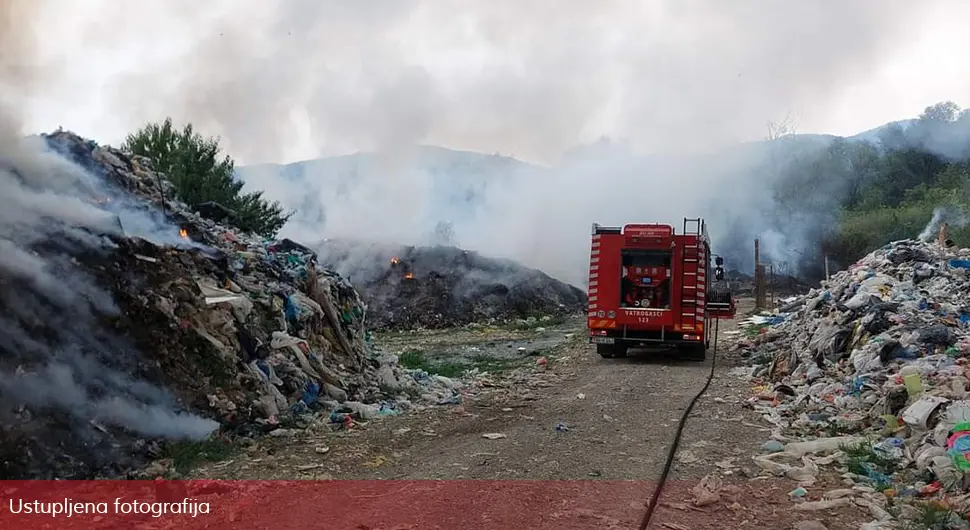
874, 192
803, 195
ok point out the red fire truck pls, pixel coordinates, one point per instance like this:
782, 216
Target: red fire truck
649, 286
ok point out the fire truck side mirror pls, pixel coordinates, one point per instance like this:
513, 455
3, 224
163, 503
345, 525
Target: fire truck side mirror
718, 260
718, 273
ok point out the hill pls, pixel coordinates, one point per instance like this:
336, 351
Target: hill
799, 194
454, 181
499, 206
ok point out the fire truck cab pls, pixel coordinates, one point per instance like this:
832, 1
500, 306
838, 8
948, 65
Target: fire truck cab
649, 286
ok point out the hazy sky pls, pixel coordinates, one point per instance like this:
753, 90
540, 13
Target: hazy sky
294, 79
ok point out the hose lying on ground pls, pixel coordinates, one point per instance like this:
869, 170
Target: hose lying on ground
680, 430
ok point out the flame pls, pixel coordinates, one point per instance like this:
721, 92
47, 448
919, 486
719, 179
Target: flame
183, 233
395, 260
409, 276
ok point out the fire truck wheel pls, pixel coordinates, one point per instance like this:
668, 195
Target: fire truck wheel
620, 350
694, 352
605, 350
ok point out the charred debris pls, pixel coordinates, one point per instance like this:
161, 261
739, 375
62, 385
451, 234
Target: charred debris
408, 287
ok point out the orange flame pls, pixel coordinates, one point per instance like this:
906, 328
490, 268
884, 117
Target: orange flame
409, 276
395, 260
183, 233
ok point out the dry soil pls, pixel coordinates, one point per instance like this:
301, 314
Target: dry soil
582, 418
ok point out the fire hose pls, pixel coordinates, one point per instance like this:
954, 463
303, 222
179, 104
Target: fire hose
680, 430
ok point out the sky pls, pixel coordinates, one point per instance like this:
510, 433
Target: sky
294, 80
297, 79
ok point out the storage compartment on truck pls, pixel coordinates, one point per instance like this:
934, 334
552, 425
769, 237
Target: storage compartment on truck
645, 278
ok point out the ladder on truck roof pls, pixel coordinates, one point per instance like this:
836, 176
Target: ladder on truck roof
693, 274
715, 303
698, 225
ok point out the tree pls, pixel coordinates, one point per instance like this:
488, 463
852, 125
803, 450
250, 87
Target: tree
943, 112
444, 234
193, 164
782, 129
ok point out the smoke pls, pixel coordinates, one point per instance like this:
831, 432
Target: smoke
55, 353
953, 216
304, 79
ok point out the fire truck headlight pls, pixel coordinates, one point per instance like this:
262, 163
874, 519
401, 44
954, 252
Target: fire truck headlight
612, 314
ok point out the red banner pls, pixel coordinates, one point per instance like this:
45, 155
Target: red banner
303, 505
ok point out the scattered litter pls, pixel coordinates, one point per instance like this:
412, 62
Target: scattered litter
814, 506
869, 373
687, 457
378, 461
257, 330
707, 491
494, 436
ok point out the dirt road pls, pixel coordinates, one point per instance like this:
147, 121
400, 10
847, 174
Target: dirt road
583, 417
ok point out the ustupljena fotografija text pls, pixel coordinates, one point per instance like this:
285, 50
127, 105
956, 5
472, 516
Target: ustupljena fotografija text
69, 507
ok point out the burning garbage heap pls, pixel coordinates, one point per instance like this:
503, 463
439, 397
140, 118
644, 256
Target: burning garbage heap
441, 287
873, 370
115, 344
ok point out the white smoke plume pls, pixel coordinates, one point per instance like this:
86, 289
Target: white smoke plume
298, 79
951, 215
51, 332
55, 354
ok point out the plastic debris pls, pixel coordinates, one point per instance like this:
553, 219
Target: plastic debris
876, 361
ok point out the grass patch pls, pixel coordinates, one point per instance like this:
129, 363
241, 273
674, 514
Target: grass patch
496, 364
187, 455
417, 360
754, 330
932, 515
527, 325
865, 461
762, 357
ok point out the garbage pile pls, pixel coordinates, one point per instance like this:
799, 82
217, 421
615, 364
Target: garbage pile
870, 374
442, 287
156, 324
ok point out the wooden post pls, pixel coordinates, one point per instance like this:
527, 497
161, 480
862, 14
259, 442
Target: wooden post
771, 284
759, 277
826, 267
759, 286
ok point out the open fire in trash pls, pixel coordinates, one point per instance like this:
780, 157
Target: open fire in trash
396, 261
183, 233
